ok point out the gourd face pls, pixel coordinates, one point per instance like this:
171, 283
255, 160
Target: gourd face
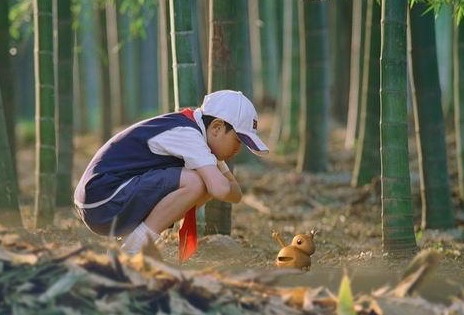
305, 243
298, 253
292, 257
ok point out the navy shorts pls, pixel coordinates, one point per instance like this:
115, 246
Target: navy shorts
132, 204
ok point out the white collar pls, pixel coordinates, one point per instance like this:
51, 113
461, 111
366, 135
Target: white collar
198, 118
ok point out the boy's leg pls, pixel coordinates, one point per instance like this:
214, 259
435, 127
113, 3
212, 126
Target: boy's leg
170, 209
191, 192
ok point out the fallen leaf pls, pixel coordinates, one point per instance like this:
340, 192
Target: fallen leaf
294, 296
62, 286
418, 269
17, 258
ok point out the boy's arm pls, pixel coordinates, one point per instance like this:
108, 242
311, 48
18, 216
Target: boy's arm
220, 182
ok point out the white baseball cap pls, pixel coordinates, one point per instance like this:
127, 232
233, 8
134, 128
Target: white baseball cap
234, 108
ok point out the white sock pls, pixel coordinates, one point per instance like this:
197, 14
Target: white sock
140, 236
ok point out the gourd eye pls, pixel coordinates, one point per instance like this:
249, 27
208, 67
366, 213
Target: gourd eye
299, 241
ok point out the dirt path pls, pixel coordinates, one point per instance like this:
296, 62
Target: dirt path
348, 221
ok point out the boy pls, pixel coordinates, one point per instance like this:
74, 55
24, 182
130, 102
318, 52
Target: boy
151, 174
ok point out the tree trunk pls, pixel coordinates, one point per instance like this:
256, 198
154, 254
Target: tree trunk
270, 12
164, 58
149, 70
228, 68
255, 48
340, 25
189, 88
130, 69
90, 70
6, 83
313, 150
367, 159
45, 113
229, 62
106, 121
356, 56
437, 211
397, 218
458, 62
65, 104
114, 64
444, 43
290, 101
9, 206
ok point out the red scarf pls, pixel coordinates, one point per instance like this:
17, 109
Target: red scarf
188, 232
188, 236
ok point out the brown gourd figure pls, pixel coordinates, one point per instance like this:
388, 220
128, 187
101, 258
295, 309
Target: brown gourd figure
298, 253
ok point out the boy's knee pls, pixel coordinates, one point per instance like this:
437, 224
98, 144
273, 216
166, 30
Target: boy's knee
192, 181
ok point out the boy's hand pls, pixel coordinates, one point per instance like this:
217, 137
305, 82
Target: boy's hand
222, 166
224, 169
221, 186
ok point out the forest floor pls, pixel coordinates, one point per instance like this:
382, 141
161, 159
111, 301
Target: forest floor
276, 198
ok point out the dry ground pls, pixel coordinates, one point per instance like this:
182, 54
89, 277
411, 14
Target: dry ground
348, 221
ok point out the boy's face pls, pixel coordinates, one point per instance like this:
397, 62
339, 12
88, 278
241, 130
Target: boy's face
223, 144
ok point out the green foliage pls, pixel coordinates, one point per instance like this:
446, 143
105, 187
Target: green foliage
140, 13
459, 12
20, 18
26, 132
436, 5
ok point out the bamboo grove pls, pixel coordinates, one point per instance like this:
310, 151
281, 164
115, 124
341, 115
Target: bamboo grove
380, 67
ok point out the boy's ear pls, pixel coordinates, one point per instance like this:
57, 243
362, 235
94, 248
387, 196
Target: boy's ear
216, 124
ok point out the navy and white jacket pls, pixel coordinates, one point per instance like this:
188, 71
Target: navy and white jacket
171, 140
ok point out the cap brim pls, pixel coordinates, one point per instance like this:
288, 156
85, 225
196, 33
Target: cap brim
254, 143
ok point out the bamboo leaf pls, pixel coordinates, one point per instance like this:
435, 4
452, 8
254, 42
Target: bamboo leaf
418, 269
345, 298
114, 304
180, 305
62, 286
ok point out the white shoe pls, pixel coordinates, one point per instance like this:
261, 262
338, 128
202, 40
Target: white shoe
135, 241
